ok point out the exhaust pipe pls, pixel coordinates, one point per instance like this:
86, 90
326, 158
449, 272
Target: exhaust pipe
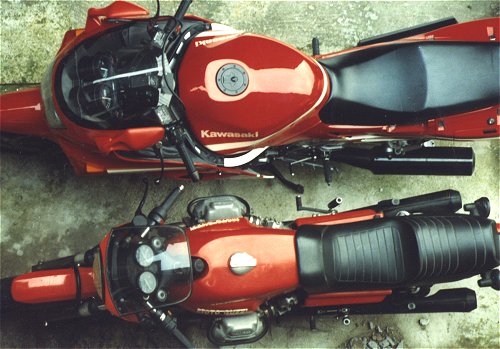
461, 300
443, 202
455, 300
438, 161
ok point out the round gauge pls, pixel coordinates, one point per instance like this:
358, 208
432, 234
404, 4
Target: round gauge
102, 66
232, 79
147, 282
144, 255
105, 96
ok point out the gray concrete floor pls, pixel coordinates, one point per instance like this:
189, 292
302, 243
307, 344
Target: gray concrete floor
47, 212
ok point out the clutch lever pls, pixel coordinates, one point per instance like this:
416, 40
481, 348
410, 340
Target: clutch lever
177, 137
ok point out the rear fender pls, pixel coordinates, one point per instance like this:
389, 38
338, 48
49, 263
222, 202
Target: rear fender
482, 30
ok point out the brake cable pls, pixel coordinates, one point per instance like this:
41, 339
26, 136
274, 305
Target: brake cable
157, 148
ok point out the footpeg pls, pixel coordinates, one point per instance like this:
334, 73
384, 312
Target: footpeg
331, 205
315, 46
480, 208
328, 169
490, 279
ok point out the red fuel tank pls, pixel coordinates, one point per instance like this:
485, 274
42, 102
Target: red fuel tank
243, 90
245, 266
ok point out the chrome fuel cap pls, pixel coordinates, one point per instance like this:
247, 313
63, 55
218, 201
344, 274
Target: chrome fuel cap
241, 263
232, 79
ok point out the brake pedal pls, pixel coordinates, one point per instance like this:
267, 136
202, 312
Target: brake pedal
315, 46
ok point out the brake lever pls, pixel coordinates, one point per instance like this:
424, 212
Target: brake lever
177, 137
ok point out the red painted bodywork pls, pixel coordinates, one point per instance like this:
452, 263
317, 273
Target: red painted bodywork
52, 286
22, 113
219, 288
285, 87
282, 102
218, 291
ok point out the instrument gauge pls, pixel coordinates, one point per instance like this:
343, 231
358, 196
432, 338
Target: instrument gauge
147, 282
105, 95
144, 255
102, 66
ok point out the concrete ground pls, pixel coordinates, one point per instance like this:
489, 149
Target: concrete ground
47, 212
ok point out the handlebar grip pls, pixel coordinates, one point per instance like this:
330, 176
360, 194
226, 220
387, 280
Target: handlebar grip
182, 339
182, 9
159, 213
188, 161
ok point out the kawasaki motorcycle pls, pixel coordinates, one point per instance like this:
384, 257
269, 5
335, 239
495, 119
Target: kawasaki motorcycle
190, 98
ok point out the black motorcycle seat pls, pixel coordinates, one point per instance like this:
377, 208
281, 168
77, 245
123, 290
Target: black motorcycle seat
410, 83
395, 252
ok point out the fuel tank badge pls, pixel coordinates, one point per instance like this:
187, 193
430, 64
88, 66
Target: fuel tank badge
232, 79
241, 263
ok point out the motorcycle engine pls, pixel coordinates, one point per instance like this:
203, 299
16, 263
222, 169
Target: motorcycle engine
218, 207
239, 329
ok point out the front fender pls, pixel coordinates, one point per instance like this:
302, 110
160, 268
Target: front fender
22, 112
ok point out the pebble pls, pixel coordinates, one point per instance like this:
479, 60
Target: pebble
379, 338
390, 340
385, 343
424, 322
357, 343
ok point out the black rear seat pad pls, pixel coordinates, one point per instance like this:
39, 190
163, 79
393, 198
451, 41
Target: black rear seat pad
395, 252
410, 83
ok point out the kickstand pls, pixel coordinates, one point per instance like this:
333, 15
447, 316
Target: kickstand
279, 176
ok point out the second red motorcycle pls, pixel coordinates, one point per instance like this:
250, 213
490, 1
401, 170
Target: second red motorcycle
237, 272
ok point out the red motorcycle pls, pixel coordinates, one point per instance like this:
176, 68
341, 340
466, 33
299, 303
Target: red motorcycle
192, 98
237, 272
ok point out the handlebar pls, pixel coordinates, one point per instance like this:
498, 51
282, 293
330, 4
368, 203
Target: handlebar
188, 161
169, 323
182, 9
177, 137
159, 213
